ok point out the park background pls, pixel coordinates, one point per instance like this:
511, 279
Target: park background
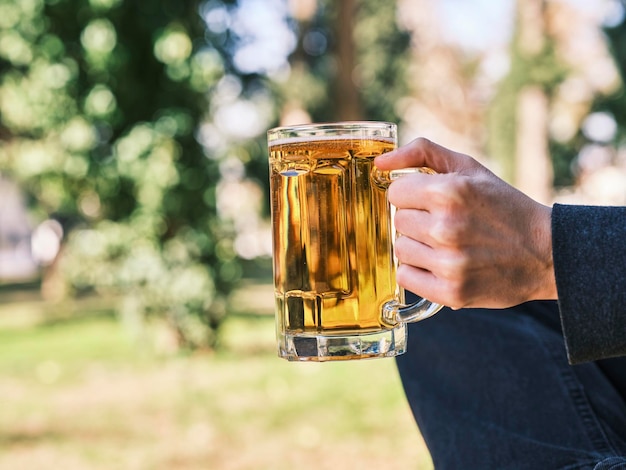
136, 327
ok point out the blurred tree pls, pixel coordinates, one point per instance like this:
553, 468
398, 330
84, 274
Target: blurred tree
593, 156
446, 101
560, 66
518, 121
350, 63
533, 167
382, 72
132, 123
100, 103
594, 87
615, 103
345, 91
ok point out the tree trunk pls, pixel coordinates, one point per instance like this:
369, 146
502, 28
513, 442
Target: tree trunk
346, 93
533, 165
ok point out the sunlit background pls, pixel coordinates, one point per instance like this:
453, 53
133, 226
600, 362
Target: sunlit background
136, 327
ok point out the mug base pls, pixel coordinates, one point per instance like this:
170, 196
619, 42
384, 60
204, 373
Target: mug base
323, 348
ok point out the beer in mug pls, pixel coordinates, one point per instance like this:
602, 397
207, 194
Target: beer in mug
334, 268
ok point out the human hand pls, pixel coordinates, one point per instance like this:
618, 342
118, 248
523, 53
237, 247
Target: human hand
467, 238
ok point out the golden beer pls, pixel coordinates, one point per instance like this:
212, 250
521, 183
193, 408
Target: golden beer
334, 268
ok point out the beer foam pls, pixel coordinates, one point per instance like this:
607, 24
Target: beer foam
321, 138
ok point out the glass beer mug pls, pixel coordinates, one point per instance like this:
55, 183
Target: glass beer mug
334, 266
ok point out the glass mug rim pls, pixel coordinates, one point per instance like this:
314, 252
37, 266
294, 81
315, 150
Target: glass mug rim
311, 130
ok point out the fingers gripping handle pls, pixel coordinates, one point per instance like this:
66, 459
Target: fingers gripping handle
394, 312
384, 178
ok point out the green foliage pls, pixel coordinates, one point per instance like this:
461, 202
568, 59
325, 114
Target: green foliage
102, 107
383, 59
616, 103
564, 154
502, 125
100, 101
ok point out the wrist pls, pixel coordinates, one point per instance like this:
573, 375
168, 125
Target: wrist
546, 282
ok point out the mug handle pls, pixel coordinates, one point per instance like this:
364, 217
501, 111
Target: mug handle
393, 311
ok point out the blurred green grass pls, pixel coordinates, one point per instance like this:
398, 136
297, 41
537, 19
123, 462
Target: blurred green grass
79, 392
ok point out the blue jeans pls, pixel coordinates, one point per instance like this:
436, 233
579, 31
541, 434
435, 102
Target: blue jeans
492, 389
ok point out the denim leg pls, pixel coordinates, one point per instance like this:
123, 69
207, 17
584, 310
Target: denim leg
492, 389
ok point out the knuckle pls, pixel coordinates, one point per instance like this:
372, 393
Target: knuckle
423, 142
447, 229
450, 269
461, 186
451, 216
419, 142
455, 295
454, 191
455, 277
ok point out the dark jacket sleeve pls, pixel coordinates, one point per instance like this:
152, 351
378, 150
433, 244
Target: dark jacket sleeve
589, 252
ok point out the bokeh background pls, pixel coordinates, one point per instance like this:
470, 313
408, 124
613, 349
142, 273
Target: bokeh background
136, 327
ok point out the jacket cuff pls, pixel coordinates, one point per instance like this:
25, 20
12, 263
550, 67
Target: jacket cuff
589, 254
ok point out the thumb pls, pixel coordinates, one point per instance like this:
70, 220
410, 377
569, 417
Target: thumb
422, 152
